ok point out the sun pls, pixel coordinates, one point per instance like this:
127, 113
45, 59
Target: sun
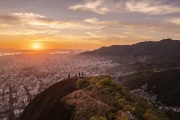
36, 46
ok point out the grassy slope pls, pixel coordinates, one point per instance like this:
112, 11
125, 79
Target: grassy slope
101, 98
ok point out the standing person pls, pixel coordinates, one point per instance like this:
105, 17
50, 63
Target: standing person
69, 76
79, 74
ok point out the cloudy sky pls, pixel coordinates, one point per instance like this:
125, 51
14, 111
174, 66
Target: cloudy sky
86, 24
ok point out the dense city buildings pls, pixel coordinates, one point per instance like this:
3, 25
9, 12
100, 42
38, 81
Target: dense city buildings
23, 76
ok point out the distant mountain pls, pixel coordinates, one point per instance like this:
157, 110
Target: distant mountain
165, 85
166, 50
93, 98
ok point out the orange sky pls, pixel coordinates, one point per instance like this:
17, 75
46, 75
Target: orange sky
28, 45
86, 24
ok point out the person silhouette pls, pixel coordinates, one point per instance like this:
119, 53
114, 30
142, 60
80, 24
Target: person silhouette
79, 74
69, 76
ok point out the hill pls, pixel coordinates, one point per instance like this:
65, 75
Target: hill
166, 50
164, 85
92, 98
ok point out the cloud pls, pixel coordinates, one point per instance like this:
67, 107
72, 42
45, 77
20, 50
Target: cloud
96, 21
31, 23
96, 6
39, 27
140, 27
175, 21
28, 15
92, 20
177, 35
37, 20
151, 7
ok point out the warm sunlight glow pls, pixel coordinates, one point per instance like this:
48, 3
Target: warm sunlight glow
37, 46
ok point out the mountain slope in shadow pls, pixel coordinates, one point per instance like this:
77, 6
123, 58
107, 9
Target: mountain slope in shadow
47, 105
166, 50
163, 84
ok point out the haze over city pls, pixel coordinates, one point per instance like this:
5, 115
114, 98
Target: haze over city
86, 24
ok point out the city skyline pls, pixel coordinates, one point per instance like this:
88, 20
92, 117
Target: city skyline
86, 24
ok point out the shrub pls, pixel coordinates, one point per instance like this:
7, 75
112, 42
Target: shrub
80, 84
129, 108
122, 116
105, 82
98, 118
149, 115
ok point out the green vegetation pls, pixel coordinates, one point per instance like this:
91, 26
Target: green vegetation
102, 98
164, 84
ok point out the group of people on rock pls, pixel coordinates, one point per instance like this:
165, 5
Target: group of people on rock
79, 75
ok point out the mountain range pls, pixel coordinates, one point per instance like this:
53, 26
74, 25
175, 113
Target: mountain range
163, 51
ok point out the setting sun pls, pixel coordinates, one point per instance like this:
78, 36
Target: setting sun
36, 46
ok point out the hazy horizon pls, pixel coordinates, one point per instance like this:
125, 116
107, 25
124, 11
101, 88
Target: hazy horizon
68, 49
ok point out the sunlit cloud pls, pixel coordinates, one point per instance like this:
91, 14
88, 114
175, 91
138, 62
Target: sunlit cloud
37, 21
94, 31
92, 20
96, 6
28, 15
96, 21
175, 21
89, 23
30, 23
151, 7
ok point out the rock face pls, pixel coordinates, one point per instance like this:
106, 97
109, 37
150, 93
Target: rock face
47, 105
93, 98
